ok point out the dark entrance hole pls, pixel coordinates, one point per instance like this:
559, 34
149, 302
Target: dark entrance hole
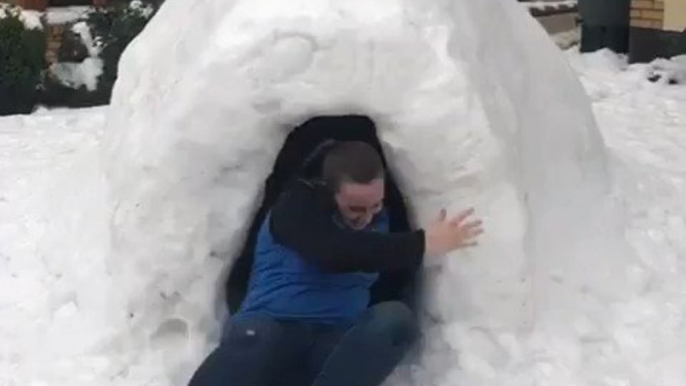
300, 143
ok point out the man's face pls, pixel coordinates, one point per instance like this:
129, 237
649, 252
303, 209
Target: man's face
359, 203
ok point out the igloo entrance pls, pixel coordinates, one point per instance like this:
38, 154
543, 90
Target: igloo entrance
299, 144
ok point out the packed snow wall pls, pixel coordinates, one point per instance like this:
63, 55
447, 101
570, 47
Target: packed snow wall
474, 107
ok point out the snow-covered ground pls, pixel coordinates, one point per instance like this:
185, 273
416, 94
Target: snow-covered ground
51, 262
567, 39
644, 125
52, 241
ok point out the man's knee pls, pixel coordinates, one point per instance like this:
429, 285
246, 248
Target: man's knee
394, 320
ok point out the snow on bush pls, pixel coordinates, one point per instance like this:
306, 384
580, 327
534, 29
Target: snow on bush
86, 72
77, 75
104, 32
31, 19
144, 9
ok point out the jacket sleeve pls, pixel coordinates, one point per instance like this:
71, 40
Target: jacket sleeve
299, 222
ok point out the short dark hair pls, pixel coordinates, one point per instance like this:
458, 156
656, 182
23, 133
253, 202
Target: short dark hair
353, 161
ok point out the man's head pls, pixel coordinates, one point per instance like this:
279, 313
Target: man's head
354, 173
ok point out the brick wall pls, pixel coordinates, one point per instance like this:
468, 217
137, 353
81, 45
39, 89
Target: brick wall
647, 13
38, 5
55, 33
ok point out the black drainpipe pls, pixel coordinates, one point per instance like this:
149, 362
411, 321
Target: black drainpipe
605, 24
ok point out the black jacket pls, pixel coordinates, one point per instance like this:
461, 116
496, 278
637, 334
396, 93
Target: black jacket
302, 220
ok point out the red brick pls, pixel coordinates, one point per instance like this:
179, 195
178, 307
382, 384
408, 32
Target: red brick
642, 4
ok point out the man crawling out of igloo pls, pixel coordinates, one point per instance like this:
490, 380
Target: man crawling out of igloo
306, 318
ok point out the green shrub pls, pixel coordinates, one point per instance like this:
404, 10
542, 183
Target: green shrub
22, 61
56, 94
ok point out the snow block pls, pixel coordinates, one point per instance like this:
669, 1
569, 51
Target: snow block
474, 106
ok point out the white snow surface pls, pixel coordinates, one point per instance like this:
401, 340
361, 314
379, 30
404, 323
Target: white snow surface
107, 276
567, 39
53, 279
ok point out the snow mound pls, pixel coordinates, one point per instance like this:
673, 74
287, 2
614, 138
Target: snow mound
467, 116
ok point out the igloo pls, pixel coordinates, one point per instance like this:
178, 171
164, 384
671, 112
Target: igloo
473, 106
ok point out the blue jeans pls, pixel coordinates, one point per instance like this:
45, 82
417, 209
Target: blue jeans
261, 351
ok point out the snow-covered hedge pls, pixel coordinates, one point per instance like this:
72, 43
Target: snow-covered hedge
22, 59
90, 52
113, 28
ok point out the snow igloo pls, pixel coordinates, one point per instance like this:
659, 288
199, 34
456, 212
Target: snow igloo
471, 104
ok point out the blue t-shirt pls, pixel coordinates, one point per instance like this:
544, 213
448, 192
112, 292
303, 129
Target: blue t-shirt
286, 287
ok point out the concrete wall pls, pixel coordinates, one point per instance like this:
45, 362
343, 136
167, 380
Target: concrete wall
40, 5
556, 24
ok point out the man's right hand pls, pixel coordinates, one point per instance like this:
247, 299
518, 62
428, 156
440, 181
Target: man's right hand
445, 235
